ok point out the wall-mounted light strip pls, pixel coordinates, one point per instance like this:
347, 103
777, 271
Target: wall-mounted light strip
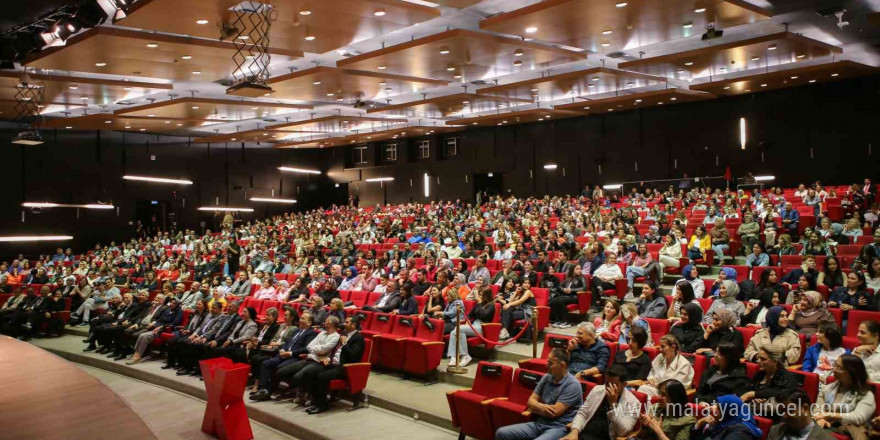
63, 205
271, 200
742, 132
427, 183
380, 179
299, 170
614, 186
21, 238
764, 178
225, 209
551, 166
158, 180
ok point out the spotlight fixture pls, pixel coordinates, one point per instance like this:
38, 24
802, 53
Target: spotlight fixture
186, 57
305, 12
621, 4
379, 12
551, 166
450, 67
607, 32
518, 53
700, 10
517, 63
531, 30
100, 64
152, 45
203, 21
756, 58
382, 67
771, 47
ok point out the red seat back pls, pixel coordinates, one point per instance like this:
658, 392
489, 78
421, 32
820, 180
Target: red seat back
855, 319
523, 385
659, 327
358, 298
552, 341
382, 323
764, 424
809, 382
542, 295
425, 332
405, 325
492, 380
747, 333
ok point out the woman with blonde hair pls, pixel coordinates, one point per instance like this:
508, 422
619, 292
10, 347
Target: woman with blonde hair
669, 364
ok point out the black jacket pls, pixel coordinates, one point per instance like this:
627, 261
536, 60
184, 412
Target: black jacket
485, 313
297, 345
227, 328
720, 336
690, 337
353, 350
736, 383
783, 382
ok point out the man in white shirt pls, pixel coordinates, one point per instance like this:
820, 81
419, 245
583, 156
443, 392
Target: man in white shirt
452, 251
503, 253
605, 276
319, 349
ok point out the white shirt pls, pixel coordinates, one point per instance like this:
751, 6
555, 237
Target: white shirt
608, 271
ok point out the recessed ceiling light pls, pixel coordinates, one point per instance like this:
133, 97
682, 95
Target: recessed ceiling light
305, 12
756, 58
473, 123
834, 74
800, 56
518, 53
73, 87
726, 87
180, 125
457, 76
310, 37
197, 72
84, 98
330, 94
339, 99
621, 4
547, 116
812, 80
673, 98
267, 94
68, 127
748, 90
315, 83
660, 103
771, 47
186, 57
638, 101
107, 122
630, 84
689, 63
699, 10
610, 109
764, 85
379, 12
591, 85
688, 25
607, 32
444, 50
195, 107
586, 108
128, 126
517, 63
794, 77
450, 67
152, 45
151, 116
100, 64
595, 78
605, 44
167, 122
503, 122
531, 30
254, 108
534, 90
388, 89
680, 70
233, 139
724, 69
382, 67
201, 21
143, 129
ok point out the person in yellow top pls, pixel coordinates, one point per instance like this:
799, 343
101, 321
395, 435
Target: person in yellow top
217, 296
699, 244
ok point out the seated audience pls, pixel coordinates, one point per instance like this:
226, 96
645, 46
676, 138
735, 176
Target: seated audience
726, 301
847, 405
483, 312
810, 313
610, 409
721, 329
775, 333
651, 304
588, 355
688, 330
726, 376
608, 322
797, 420
629, 319
821, 357
669, 364
670, 419
635, 359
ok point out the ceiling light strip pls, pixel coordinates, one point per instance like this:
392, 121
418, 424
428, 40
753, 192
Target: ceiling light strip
158, 180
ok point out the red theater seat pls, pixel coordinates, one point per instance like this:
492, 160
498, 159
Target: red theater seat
551, 341
855, 319
809, 382
510, 410
659, 328
423, 351
356, 376
466, 406
388, 351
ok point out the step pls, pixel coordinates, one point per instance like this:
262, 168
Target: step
425, 409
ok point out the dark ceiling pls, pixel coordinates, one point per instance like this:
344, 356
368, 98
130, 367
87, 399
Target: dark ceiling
19, 12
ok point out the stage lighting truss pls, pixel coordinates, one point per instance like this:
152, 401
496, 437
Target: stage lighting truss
253, 21
29, 100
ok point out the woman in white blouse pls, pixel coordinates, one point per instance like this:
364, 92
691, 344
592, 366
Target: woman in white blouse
669, 364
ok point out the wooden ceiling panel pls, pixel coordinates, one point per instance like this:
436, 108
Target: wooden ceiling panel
515, 117
460, 4
450, 105
370, 136
211, 110
635, 101
334, 24
330, 83
122, 123
597, 80
798, 76
601, 26
338, 124
753, 53
125, 52
78, 91
8, 111
471, 54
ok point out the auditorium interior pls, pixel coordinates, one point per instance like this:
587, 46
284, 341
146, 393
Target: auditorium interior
440, 219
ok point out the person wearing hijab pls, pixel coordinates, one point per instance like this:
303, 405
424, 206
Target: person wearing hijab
688, 330
720, 330
350, 279
811, 313
727, 273
692, 276
727, 301
729, 419
777, 334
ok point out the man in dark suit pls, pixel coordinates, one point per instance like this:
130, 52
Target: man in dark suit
390, 300
349, 350
797, 420
288, 354
140, 322
105, 333
192, 351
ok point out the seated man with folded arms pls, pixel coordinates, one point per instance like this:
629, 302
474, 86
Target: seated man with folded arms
553, 403
349, 350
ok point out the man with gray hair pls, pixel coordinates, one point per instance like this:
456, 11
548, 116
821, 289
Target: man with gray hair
589, 355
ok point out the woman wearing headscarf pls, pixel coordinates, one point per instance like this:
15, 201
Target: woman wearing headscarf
720, 330
805, 283
350, 278
810, 313
726, 273
729, 419
776, 334
688, 330
727, 301
692, 276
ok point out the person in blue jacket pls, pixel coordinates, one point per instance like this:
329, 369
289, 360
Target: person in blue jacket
821, 357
